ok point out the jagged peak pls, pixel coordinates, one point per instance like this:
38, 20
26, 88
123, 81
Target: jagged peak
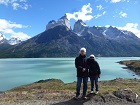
62, 21
64, 17
81, 22
52, 21
2, 37
14, 41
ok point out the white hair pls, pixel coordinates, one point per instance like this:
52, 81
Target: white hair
82, 49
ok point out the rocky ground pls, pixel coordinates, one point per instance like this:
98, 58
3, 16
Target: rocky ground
55, 92
132, 65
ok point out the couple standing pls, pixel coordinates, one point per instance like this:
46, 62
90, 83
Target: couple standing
86, 68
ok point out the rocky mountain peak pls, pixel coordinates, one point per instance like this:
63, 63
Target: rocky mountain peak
14, 41
63, 21
81, 22
64, 17
1, 37
79, 26
11, 41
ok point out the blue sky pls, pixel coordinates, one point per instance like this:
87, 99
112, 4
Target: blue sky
27, 18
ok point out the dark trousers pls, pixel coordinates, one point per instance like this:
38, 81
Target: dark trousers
94, 80
78, 86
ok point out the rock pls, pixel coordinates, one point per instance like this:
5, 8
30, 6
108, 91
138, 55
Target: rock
127, 94
109, 96
62, 21
24, 92
1, 92
37, 87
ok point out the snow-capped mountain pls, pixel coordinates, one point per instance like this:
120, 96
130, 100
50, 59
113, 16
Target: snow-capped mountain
2, 39
11, 41
14, 41
59, 40
79, 27
62, 21
110, 32
115, 33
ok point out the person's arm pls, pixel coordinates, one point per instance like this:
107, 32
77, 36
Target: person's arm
76, 64
99, 71
87, 64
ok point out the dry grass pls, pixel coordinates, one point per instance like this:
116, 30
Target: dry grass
57, 85
54, 89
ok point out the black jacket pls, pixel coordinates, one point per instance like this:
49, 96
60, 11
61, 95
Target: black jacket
80, 63
93, 67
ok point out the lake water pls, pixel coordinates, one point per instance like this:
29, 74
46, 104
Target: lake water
16, 72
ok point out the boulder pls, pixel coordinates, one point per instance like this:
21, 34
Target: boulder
127, 94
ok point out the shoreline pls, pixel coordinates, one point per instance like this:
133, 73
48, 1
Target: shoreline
133, 65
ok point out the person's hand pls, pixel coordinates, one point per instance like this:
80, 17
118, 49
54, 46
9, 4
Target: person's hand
84, 69
99, 76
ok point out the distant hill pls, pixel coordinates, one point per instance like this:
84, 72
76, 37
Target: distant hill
59, 40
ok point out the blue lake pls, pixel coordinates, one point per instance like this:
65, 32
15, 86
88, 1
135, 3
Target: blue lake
16, 72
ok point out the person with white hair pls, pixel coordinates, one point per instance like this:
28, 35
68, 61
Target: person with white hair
94, 72
82, 73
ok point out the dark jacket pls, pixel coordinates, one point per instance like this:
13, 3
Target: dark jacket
93, 67
80, 63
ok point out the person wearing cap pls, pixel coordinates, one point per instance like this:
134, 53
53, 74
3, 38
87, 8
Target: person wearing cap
94, 72
82, 73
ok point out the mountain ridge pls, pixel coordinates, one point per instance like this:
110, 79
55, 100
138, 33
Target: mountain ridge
11, 41
59, 40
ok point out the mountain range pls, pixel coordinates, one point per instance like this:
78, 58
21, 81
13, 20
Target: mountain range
60, 40
11, 41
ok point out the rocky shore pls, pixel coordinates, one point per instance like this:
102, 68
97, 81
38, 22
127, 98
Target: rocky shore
132, 65
56, 92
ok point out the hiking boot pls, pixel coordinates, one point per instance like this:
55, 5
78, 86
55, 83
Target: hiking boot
84, 97
76, 97
91, 92
97, 92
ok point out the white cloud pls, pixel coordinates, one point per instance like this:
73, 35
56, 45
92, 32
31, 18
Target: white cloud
116, 1
122, 14
16, 4
133, 27
7, 28
99, 7
84, 14
99, 15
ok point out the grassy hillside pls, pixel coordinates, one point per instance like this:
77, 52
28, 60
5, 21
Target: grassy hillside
54, 91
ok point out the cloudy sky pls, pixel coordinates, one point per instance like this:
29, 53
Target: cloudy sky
27, 18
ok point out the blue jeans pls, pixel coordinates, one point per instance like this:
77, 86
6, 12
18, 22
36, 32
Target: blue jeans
78, 86
94, 80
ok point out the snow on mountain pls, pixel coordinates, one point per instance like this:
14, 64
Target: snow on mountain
2, 39
14, 41
79, 27
62, 21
